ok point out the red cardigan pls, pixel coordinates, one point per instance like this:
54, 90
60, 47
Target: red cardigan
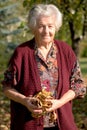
28, 83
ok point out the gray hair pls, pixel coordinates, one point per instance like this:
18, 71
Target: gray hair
44, 10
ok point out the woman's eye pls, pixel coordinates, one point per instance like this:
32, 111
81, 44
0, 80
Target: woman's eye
51, 26
40, 26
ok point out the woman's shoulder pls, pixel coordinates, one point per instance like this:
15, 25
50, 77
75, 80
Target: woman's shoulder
25, 47
62, 44
65, 48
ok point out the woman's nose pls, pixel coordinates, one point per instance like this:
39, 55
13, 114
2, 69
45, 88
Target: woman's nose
46, 29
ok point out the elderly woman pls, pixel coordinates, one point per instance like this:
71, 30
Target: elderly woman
43, 63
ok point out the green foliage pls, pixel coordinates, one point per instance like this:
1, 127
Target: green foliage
28, 3
80, 113
9, 21
4, 56
84, 52
83, 48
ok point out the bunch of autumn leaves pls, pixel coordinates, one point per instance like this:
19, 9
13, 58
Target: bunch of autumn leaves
41, 100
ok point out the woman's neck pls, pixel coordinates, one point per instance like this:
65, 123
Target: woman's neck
44, 49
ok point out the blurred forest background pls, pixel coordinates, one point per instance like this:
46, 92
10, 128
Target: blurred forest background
14, 31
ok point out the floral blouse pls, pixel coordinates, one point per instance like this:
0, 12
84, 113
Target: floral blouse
48, 71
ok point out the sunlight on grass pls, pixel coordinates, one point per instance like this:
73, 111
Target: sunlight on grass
83, 65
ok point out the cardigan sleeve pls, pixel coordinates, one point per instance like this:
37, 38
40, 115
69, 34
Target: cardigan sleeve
9, 77
11, 73
77, 83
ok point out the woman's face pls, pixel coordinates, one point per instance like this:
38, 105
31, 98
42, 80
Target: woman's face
45, 30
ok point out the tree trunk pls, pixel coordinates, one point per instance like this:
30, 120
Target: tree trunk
75, 41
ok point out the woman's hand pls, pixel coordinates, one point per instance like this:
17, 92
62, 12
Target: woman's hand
33, 106
55, 105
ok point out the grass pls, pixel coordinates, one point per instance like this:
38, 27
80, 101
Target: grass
83, 64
